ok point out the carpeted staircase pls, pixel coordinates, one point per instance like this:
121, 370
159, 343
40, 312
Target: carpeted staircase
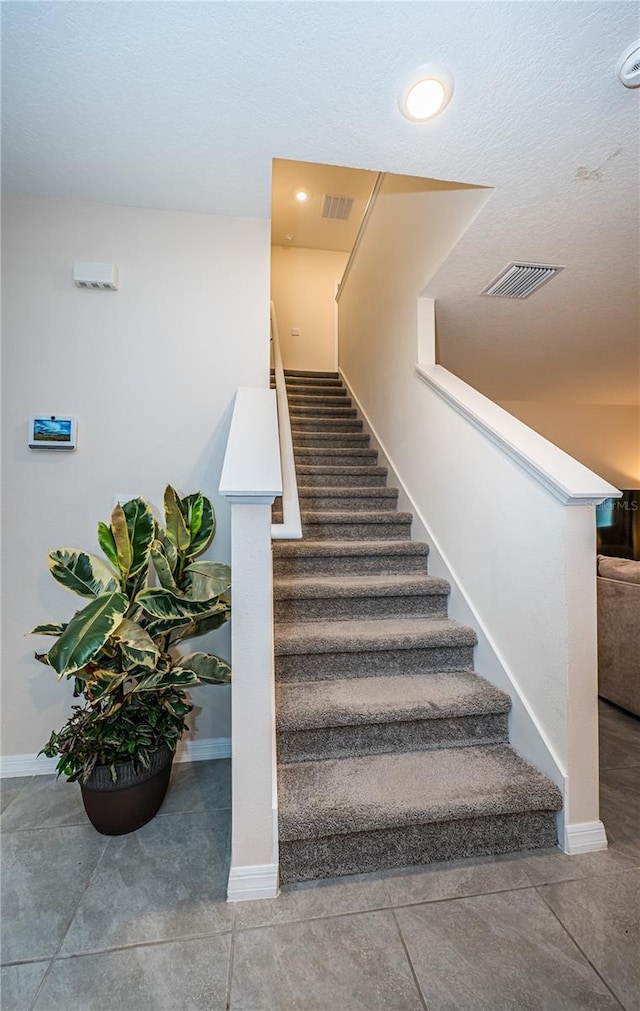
391, 750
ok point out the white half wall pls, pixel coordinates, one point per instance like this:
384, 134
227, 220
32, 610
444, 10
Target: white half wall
303, 287
149, 371
523, 561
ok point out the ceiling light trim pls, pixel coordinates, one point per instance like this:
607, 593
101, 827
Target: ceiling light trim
428, 72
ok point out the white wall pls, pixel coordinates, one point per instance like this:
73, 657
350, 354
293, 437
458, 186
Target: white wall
522, 563
303, 284
150, 373
604, 437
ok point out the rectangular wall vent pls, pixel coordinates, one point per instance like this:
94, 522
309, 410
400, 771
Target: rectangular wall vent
519, 280
336, 207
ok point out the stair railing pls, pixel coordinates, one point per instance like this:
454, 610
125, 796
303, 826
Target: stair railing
371, 202
291, 526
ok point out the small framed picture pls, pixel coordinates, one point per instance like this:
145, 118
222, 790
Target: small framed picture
52, 431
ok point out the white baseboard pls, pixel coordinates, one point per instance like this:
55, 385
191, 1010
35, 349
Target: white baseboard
584, 837
259, 881
188, 751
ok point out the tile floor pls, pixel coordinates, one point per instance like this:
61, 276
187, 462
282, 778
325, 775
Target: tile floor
140, 922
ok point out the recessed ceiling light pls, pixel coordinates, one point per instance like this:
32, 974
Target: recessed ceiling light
428, 94
302, 195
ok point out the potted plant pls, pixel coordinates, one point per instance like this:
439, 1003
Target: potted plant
119, 651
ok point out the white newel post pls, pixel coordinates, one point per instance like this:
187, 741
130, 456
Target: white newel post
251, 479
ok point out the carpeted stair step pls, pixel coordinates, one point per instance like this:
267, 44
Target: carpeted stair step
337, 525
329, 440
341, 477
312, 402
307, 413
374, 716
307, 390
323, 650
358, 498
305, 374
352, 457
335, 425
318, 598
349, 815
307, 558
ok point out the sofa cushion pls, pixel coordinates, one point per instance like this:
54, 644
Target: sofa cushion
624, 569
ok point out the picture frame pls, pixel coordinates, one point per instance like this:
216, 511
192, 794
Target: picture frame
52, 431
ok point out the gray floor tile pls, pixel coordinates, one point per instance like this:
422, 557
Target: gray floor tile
603, 916
451, 880
48, 802
10, 788
167, 880
620, 806
503, 952
619, 738
44, 873
312, 899
550, 866
179, 976
198, 786
19, 985
355, 963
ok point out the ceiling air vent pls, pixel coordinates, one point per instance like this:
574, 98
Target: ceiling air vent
338, 208
519, 280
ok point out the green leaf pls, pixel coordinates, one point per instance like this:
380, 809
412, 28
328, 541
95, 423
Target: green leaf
55, 628
160, 603
81, 572
141, 528
158, 681
202, 537
207, 668
208, 623
103, 683
138, 648
207, 579
194, 505
162, 566
170, 551
107, 543
87, 633
120, 531
162, 626
192, 669
177, 531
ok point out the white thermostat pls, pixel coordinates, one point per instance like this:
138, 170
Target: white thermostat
95, 275
52, 431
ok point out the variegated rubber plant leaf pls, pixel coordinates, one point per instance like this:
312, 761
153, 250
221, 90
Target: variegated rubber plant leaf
202, 523
86, 633
53, 628
138, 648
141, 529
81, 572
205, 580
176, 524
167, 604
162, 566
207, 668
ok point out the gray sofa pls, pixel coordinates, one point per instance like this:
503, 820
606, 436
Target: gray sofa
619, 632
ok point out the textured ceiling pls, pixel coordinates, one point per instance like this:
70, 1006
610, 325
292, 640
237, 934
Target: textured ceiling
184, 105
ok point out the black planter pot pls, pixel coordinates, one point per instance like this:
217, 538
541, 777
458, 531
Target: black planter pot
130, 802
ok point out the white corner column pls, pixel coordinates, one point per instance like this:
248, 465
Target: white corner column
251, 479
